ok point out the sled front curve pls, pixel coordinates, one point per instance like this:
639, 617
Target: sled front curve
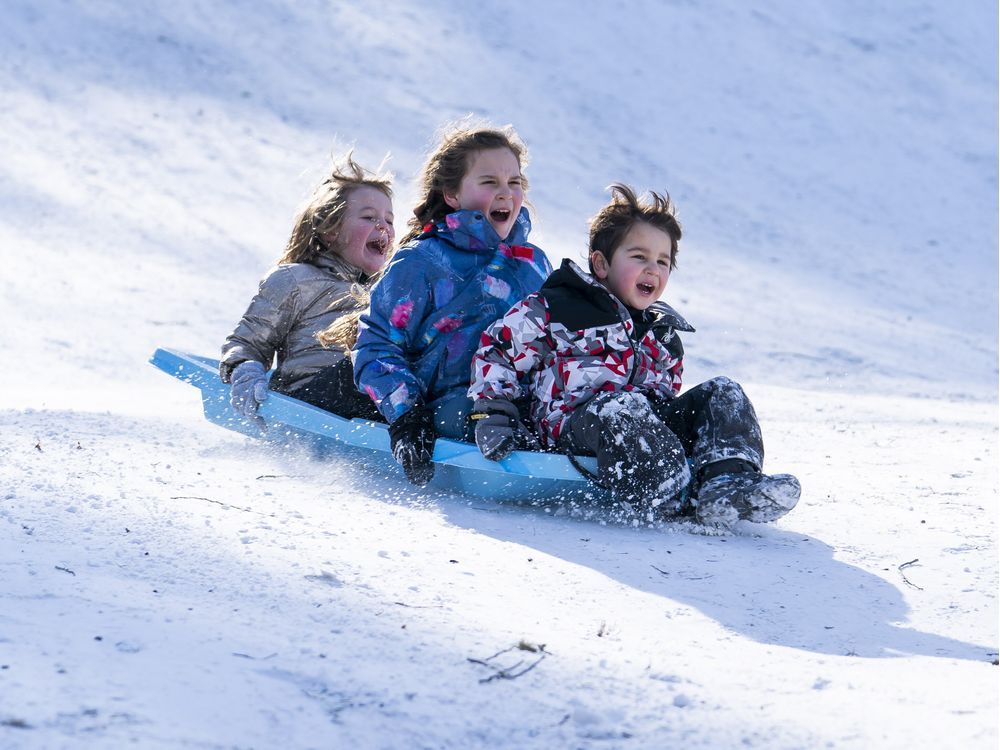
460, 467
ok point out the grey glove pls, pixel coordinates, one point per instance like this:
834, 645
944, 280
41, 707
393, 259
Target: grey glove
498, 431
249, 387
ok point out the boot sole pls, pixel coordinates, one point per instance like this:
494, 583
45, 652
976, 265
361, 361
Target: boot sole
771, 501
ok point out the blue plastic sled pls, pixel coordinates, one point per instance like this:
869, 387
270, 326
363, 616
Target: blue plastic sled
524, 476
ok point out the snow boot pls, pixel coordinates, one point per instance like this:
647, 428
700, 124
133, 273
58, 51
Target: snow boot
745, 496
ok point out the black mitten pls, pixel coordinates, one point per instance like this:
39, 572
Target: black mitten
498, 428
412, 439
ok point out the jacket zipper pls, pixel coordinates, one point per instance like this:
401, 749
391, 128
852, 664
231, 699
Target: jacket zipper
635, 353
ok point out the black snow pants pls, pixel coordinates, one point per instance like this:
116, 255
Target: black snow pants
333, 389
647, 448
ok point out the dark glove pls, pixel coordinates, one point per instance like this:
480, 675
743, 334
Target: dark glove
249, 388
498, 431
412, 439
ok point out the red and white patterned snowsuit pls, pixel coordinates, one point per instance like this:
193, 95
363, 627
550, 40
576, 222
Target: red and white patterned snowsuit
570, 341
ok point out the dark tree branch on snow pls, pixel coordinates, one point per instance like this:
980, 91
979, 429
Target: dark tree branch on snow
906, 580
509, 673
224, 505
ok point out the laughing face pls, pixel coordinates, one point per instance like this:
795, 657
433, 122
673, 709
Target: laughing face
365, 237
492, 185
639, 267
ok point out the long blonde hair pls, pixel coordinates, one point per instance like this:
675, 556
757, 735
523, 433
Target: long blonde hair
323, 213
448, 164
343, 332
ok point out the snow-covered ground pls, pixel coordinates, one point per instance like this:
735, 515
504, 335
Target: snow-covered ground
164, 583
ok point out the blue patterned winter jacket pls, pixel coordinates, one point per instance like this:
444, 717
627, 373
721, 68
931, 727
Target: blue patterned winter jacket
439, 293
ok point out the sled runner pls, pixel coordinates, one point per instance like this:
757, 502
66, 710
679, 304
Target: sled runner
459, 466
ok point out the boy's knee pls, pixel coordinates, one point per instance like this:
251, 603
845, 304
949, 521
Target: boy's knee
728, 389
722, 383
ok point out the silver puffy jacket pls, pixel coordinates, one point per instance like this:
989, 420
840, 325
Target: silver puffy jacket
294, 303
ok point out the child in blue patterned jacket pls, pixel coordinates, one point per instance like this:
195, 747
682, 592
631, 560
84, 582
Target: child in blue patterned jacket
463, 263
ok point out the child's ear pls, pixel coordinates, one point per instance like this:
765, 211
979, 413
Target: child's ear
451, 199
600, 265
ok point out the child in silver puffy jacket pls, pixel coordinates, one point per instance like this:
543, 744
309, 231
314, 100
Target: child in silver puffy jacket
341, 238
602, 361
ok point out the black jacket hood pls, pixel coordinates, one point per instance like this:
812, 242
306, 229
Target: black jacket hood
577, 300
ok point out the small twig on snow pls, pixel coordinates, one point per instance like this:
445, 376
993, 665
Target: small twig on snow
508, 673
219, 502
65, 570
490, 658
906, 580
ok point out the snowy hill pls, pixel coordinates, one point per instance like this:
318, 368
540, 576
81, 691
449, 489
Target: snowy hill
167, 584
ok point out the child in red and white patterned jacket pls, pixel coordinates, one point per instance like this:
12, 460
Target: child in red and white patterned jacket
601, 360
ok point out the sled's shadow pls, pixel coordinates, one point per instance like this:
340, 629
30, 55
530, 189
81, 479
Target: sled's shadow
781, 588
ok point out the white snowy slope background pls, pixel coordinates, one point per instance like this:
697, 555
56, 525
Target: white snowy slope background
165, 583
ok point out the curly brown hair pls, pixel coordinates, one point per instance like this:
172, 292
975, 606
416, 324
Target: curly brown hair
323, 212
449, 163
609, 227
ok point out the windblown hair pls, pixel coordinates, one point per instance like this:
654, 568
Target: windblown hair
343, 332
609, 227
323, 213
449, 163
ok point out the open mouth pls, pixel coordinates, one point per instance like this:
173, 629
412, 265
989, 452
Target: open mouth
380, 245
500, 215
645, 289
